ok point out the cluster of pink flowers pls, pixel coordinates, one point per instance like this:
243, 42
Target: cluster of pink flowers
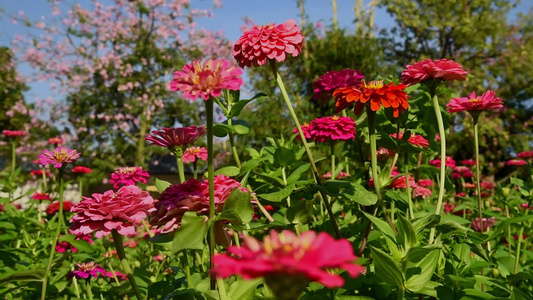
120, 211
326, 84
341, 175
125, 176
58, 157
328, 129
192, 195
521, 160
192, 153
92, 270
420, 191
55, 141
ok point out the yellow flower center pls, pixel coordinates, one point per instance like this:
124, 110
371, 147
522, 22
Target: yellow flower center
127, 170
335, 118
374, 85
475, 100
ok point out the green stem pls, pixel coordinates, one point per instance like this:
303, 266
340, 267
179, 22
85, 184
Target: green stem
442, 180
81, 188
373, 153
56, 236
287, 100
408, 188
195, 169
478, 175
119, 245
401, 293
284, 177
181, 173
13, 157
234, 148
187, 269
45, 180
210, 171
509, 236
517, 257
89, 290
333, 174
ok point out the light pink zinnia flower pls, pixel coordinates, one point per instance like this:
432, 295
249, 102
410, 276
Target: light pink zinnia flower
173, 138
326, 84
192, 153
102, 213
128, 176
286, 255
333, 128
475, 103
207, 79
270, 41
516, 162
441, 69
13, 133
420, 191
58, 157
526, 154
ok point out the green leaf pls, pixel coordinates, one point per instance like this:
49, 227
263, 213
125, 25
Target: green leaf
29, 275
244, 289
384, 177
7, 225
191, 233
383, 226
161, 185
386, 268
229, 171
424, 265
238, 106
428, 220
360, 194
239, 205
406, 233
296, 174
81, 245
301, 212
279, 195
283, 157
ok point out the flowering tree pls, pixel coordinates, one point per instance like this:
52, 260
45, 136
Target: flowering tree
112, 62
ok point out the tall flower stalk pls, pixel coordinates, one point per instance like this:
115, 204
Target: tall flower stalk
119, 245
210, 178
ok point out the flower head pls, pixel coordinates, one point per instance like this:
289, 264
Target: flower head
449, 162
475, 103
420, 191
332, 129
487, 223
341, 175
88, 270
468, 162
270, 41
326, 84
462, 172
375, 92
415, 140
39, 173
120, 211
53, 207
174, 138
55, 141
306, 128
207, 79
192, 153
41, 196
526, 154
309, 256
13, 133
516, 162
425, 182
440, 69
58, 157
81, 170
128, 176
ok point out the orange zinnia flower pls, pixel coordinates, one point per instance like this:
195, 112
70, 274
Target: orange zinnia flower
388, 95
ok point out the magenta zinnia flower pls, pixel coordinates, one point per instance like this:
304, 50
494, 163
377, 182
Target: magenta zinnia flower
449, 162
81, 170
526, 154
120, 211
441, 69
475, 103
40, 196
326, 84
306, 128
192, 153
332, 129
88, 270
58, 157
207, 79
13, 133
516, 162
284, 256
174, 138
128, 176
270, 41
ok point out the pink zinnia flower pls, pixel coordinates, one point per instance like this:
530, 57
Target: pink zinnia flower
449, 162
192, 153
286, 255
475, 103
81, 170
306, 128
415, 140
13, 133
58, 157
425, 182
516, 162
128, 176
462, 172
173, 138
270, 41
526, 154
53, 207
55, 141
440, 69
326, 84
88, 270
206, 80
469, 185
120, 211
420, 191
487, 185
333, 128
341, 175
468, 162
487, 223
41, 196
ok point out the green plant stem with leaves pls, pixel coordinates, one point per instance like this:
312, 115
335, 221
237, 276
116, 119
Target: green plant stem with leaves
56, 235
442, 134
478, 173
210, 175
287, 100
119, 245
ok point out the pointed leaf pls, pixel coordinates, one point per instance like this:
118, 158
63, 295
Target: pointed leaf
386, 268
191, 233
161, 185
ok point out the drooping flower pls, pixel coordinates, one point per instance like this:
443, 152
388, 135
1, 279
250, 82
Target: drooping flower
128, 176
88, 270
332, 129
420, 191
41, 196
414, 139
516, 162
58, 157
526, 154
55, 141
440, 69
120, 211
192, 153
449, 162
175, 138
13, 133
53, 207
287, 256
306, 128
326, 84
475, 103
487, 223
206, 80
376, 93
81, 170
270, 41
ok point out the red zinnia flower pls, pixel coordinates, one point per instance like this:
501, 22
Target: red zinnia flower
516, 162
13, 133
326, 84
58, 157
441, 69
526, 154
332, 129
53, 207
81, 170
192, 153
128, 176
415, 140
173, 138
449, 162
475, 103
41, 196
286, 256
207, 79
468, 162
425, 182
39, 173
270, 41
388, 95
55, 141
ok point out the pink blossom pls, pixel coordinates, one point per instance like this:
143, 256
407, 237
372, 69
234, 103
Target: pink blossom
475, 103
425, 182
192, 153
420, 191
173, 138
526, 154
88, 270
58, 157
414, 139
516, 162
441, 69
333, 128
487, 223
128, 176
13, 133
326, 84
306, 128
449, 162
341, 175
81, 170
